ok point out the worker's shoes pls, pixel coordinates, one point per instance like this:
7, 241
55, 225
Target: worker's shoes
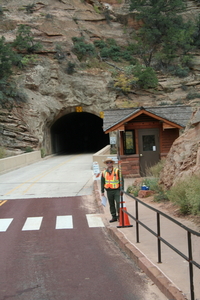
113, 220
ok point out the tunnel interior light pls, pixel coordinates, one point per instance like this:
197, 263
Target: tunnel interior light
79, 109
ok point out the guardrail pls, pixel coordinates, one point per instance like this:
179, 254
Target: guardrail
160, 239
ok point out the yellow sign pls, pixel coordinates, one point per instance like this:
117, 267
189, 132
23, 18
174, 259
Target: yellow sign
79, 109
101, 114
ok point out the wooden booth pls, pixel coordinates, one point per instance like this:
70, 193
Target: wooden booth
145, 134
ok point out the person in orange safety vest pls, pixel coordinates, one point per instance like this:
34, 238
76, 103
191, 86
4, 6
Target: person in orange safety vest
112, 181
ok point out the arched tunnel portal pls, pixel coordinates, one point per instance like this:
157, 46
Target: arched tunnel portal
78, 133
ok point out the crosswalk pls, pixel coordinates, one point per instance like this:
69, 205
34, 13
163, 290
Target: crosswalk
62, 222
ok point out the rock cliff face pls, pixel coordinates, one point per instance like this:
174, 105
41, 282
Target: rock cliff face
52, 93
184, 157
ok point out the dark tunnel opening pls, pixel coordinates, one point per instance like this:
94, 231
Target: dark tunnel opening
78, 133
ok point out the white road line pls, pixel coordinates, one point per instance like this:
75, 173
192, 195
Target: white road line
94, 221
32, 223
64, 222
4, 224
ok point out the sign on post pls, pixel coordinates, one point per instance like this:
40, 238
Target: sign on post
112, 140
96, 170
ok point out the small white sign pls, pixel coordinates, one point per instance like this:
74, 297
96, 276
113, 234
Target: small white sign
112, 140
154, 148
114, 158
96, 170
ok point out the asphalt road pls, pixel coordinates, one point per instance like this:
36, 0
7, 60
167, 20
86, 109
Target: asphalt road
57, 248
58, 176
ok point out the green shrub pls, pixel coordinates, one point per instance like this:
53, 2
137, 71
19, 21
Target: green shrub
181, 71
82, 49
147, 77
156, 169
186, 195
49, 17
43, 152
111, 51
134, 190
28, 59
24, 40
28, 149
96, 9
70, 68
161, 196
6, 58
152, 183
30, 8
99, 44
1, 10
111, 42
10, 93
2, 152
192, 95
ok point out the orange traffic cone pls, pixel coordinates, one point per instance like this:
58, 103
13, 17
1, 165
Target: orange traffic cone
123, 217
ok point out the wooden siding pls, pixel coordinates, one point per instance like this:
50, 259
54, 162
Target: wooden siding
130, 165
167, 137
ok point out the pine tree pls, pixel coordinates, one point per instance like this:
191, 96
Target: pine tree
6, 59
164, 33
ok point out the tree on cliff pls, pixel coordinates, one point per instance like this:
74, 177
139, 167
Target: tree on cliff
164, 33
6, 59
9, 57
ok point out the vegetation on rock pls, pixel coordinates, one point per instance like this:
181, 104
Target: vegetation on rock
164, 34
185, 193
12, 55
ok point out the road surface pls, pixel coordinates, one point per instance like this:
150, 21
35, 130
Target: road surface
53, 242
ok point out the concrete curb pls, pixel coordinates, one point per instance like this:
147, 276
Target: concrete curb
162, 282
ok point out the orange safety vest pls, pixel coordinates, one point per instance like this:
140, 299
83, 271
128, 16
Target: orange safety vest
112, 181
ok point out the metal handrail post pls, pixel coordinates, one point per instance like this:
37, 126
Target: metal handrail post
137, 224
190, 233
158, 237
122, 206
190, 265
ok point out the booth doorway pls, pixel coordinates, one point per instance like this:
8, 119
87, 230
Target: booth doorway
149, 151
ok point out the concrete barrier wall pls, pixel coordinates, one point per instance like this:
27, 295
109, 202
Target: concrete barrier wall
101, 155
18, 161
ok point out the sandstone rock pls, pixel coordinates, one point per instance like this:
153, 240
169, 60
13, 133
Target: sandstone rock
51, 92
184, 157
145, 194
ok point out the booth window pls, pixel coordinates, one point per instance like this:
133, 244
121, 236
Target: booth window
129, 142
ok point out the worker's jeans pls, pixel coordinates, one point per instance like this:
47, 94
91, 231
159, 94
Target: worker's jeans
114, 200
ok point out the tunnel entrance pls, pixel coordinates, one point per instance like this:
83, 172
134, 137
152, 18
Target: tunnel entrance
78, 133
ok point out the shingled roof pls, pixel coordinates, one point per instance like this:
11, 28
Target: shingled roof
178, 114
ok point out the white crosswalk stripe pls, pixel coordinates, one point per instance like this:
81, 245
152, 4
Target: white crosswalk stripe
4, 224
62, 222
32, 223
94, 221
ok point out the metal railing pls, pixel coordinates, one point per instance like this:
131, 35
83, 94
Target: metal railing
160, 239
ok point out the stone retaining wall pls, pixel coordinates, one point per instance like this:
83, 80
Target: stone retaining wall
18, 161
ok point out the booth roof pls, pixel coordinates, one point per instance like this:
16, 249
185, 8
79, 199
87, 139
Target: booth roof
178, 114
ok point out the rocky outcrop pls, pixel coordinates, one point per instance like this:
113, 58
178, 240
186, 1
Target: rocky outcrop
184, 157
51, 92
